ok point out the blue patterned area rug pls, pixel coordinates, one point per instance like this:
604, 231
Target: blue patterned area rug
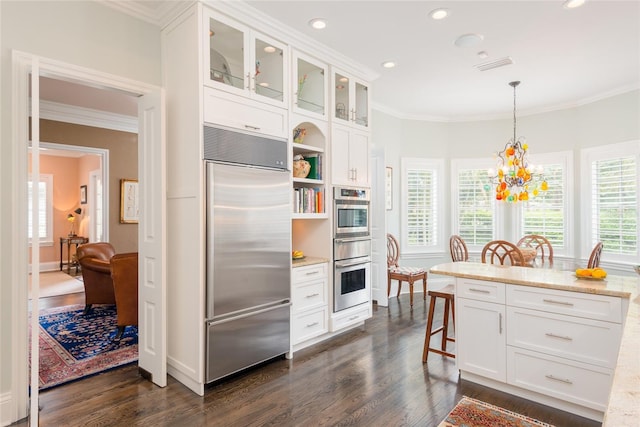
74, 345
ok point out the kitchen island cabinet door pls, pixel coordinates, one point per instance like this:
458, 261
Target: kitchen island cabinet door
481, 338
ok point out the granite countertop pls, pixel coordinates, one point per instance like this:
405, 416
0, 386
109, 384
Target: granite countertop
308, 260
624, 401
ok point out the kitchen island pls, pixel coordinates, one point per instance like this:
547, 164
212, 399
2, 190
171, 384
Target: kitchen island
513, 293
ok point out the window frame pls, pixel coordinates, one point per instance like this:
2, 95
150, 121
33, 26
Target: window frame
465, 164
605, 152
47, 179
437, 166
566, 159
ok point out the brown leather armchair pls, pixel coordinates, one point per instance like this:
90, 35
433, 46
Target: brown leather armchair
124, 272
94, 258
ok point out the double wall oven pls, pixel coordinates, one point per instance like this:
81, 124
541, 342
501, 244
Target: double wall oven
351, 247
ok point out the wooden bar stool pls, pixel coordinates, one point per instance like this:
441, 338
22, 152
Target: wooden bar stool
448, 294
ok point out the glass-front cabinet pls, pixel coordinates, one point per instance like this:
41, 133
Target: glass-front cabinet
310, 86
243, 61
350, 99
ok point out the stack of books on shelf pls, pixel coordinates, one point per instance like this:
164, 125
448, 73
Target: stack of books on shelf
308, 200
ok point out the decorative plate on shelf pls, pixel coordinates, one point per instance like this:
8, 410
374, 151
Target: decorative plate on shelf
298, 258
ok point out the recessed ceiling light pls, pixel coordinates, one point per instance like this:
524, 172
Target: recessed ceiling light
572, 4
318, 23
388, 64
468, 40
269, 49
438, 14
263, 84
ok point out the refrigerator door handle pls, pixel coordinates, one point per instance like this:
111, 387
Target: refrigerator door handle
249, 314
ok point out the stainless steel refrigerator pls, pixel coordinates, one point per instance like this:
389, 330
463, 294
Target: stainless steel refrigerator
248, 273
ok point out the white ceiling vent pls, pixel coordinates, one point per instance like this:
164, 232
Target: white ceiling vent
494, 64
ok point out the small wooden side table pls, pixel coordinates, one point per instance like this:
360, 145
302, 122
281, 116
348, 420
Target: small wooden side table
73, 240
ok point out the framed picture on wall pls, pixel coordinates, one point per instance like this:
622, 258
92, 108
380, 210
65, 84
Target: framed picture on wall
129, 210
83, 194
388, 188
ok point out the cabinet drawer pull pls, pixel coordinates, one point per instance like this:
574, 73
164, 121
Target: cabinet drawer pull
554, 378
549, 334
482, 291
353, 317
312, 295
552, 301
309, 325
252, 127
311, 273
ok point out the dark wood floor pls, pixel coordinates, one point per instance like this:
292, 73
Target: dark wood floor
366, 377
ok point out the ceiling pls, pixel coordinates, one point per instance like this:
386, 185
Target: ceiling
563, 57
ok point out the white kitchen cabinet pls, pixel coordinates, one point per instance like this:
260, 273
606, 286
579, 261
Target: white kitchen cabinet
553, 346
350, 317
583, 384
240, 60
568, 342
564, 336
310, 86
309, 297
349, 156
221, 69
231, 110
351, 104
481, 338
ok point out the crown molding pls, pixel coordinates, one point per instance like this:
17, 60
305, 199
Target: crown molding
160, 16
521, 113
87, 117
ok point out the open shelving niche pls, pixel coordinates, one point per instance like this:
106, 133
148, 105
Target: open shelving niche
313, 144
311, 232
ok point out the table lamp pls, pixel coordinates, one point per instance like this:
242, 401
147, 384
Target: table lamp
72, 219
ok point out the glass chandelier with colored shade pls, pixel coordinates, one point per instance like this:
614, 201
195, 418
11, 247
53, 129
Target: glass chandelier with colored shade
515, 178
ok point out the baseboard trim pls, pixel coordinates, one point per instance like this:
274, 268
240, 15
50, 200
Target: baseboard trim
6, 409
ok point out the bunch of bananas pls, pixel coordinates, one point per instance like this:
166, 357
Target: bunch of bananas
297, 254
596, 273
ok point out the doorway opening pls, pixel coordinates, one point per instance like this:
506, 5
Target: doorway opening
150, 118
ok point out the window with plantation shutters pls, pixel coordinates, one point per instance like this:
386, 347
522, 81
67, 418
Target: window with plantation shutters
476, 209
422, 202
545, 214
611, 197
614, 217
45, 208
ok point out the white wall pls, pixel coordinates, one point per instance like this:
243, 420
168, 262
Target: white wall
607, 121
83, 33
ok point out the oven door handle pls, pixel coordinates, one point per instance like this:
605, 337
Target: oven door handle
352, 239
344, 264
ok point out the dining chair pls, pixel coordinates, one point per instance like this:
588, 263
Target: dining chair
540, 243
502, 252
594, 259
458, 249
402, 274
